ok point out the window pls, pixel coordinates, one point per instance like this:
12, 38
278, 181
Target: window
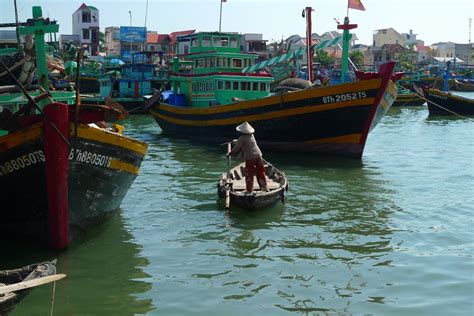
199, 63
206, 41
194, 42
213, 62
86, 17
235, 85
254, 86
220, 85
85, 34
263, 86
208, 62
218, 41
233, 42
219, 62
227, 85
244, 86
236, 63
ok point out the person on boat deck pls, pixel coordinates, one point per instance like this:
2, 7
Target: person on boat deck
246, 147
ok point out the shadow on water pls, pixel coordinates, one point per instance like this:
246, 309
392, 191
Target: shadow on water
104, 275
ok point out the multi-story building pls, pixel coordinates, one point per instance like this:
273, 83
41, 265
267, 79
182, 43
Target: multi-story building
254, 43
85, 24
387, 36
410, 39
444, 49
465, 52
112, 41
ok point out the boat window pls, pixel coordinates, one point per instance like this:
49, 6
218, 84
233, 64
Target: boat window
206, 41
233, 42
245, 86
219, 62
235, 85
263, 86
208, 62
227, 85
199, 63
254, 86
220, 85
194, 42
236, 62
213, 62
220, 41
226, 62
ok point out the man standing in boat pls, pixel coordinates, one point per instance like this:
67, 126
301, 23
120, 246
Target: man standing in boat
247, 149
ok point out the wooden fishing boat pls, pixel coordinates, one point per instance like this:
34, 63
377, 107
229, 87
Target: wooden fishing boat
63, 170
463, 85
233, 182
446, 103
208, 103
9, 300
408, 99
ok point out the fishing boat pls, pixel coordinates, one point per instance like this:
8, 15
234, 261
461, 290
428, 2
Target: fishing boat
232, 183
408, 98
9, 300
466, 85
443, 102
136, 88
207, 104
63, 169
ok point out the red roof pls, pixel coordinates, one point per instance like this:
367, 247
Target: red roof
180, 33
154, 38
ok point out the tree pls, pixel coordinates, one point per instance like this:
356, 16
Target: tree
357, 58
101, 41
322, 57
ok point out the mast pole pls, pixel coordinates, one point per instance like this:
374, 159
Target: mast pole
346, 39
309, 50
220, 16
18, 44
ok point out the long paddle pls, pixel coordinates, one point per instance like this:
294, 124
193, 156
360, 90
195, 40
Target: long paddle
227, 191
30, 283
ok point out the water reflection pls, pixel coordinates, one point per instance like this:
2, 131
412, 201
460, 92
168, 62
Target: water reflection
326, 247
104, 276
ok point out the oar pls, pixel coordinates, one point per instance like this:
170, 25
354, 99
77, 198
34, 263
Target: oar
30, 283
227, 191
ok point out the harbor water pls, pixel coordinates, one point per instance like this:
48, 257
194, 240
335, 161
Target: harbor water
390, 234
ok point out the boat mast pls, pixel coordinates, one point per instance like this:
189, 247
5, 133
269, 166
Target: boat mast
18, 43
309, 50
346, 39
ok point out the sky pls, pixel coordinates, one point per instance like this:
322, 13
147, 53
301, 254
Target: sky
432, 20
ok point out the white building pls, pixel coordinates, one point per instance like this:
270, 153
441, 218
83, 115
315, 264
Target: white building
85, 24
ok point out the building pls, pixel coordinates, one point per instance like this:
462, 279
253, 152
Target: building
465, 52
180, 47
158, 42
112, 41
444, 49
254, 43
85, 24
387, 36
410, 39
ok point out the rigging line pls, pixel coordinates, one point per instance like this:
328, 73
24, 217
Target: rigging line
52, 299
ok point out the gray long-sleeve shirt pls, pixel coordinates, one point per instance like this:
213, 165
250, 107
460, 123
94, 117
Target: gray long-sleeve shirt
248, 147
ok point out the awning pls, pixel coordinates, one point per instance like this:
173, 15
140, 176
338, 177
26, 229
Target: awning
275, 60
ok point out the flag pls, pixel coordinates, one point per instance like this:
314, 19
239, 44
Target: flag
223, 0
354, 4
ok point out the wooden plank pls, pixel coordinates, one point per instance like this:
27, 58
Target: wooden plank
30, 283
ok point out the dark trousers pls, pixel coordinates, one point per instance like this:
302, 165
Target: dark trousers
252, 165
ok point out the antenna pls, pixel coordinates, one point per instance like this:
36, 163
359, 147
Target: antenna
470, 22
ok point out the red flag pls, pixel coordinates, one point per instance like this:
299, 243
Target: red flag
356, 4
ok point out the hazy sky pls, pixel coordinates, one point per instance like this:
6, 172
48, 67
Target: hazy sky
432, 20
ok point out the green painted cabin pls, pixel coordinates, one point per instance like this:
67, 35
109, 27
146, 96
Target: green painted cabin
216, 78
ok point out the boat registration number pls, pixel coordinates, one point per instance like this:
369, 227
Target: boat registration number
345, 97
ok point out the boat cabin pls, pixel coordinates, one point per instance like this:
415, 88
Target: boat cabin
216, 76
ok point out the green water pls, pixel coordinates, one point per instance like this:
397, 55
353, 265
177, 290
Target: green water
391, 234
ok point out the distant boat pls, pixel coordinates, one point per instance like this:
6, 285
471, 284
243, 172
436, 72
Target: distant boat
446, 103
463, 85
35, 271
234, 182
408, 99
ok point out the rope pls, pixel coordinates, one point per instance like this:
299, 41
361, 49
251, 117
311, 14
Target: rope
52, 299
440, 106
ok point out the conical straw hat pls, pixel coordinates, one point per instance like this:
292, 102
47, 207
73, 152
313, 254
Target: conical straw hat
245, 128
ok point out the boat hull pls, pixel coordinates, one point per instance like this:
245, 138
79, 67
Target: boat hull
408, 99
327, 120
102, 166
442, 103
